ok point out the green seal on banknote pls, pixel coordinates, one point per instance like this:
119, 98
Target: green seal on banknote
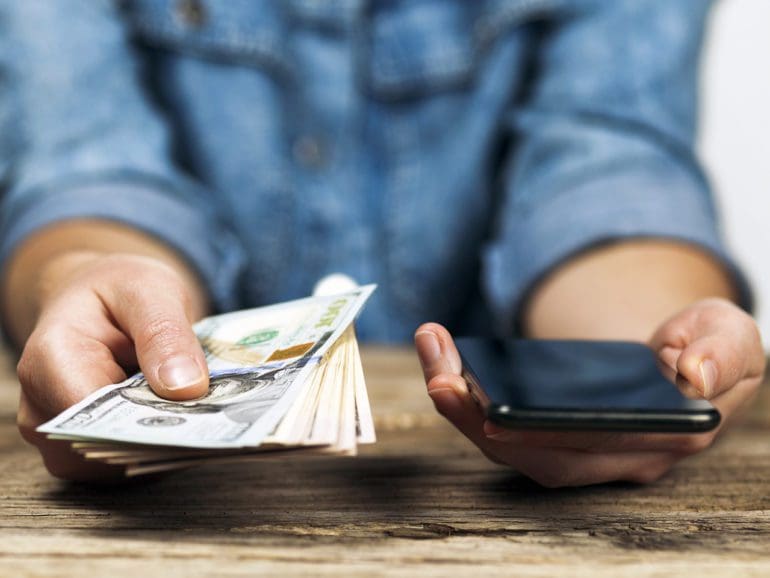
260, 337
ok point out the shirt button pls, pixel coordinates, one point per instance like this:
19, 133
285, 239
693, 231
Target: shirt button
308, 151
191, 12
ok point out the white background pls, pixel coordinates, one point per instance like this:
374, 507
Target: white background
734, 141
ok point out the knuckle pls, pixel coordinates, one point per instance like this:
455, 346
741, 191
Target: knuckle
42, 350
718, 307
26, 423
134, 292
160, 333
141, 273
750, 325
719, 303
26, 428
39, 348
26, 368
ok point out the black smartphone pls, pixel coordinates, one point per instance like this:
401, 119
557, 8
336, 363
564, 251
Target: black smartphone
578, 385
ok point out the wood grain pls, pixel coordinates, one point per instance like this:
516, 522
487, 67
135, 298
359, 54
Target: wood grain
422, 501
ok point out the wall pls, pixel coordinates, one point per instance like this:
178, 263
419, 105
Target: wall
735, 134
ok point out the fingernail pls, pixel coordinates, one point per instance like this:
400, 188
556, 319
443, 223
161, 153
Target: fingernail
709, 374
428, 347
179, 372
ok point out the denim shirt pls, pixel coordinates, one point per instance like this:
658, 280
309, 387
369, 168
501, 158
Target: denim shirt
452, 151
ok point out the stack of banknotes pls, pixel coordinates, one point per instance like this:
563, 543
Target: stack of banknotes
285, 380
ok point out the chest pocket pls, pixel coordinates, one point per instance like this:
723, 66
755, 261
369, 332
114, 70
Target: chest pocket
236, 31
422, 46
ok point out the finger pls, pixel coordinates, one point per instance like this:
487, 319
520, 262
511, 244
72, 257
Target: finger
602, 442
555, 468
551, 467
60, 366
166, 347
58, 457
452, 399
734, 400
715, 363
437, 351
668, 358
719, 343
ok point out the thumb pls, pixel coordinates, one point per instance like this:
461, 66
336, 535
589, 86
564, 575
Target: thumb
436, 351
719, 344
713, 364
167, 349
707, 367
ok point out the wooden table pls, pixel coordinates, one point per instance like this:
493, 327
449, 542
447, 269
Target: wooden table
421, 501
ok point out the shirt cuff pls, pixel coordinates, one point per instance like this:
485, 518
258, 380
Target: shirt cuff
667, 204
210, 248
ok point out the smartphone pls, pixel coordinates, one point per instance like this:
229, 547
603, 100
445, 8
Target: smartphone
578, 385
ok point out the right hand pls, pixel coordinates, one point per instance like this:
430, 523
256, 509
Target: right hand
710, 329
102, 317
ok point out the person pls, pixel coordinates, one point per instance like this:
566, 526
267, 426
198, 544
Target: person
507, 168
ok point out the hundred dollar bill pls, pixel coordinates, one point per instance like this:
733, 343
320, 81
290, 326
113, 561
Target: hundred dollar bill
331, 415
259, 361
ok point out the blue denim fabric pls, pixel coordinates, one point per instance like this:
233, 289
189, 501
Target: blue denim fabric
452, 151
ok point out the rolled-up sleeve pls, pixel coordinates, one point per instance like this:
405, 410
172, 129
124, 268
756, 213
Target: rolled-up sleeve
81, 139
603, 145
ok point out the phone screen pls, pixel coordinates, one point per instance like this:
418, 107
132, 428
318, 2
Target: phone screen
571, 384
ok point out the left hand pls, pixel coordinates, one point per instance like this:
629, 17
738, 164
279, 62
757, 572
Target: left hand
712, 349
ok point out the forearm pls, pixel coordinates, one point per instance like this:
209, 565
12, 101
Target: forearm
623, 291
46, 258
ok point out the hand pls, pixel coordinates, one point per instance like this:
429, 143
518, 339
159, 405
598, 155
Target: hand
101, 317
712, 349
